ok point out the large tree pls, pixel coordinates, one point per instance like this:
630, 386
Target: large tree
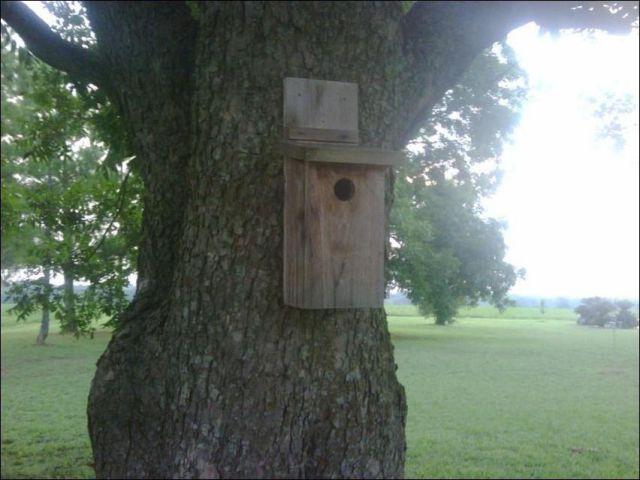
209, 374
445, 254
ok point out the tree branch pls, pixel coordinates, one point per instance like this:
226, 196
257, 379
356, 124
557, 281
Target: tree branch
445, 37
45, 44
121, 196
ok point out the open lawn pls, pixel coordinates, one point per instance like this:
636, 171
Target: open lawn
518, 394
44, 401
521, 395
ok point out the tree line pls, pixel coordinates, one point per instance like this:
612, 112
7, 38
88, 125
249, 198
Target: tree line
602, 312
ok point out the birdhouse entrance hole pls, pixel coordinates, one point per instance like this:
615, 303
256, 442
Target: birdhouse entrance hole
344, 189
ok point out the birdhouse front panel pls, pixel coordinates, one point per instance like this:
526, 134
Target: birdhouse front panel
334, 242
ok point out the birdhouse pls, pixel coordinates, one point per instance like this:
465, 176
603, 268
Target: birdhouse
334, 214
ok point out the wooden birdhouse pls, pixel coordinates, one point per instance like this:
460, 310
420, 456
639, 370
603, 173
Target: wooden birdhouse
334, 215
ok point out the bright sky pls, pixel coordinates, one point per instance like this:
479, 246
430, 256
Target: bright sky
571, 201
40, 9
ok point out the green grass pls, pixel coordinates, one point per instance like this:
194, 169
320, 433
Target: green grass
518, 394
44, 398
525, 397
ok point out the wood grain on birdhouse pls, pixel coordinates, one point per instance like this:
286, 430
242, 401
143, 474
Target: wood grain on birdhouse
334, 237
320, 104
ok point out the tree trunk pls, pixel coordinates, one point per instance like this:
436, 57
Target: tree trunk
44, 322
69, 325
210, 374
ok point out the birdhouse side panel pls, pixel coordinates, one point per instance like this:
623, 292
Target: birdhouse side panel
294, 232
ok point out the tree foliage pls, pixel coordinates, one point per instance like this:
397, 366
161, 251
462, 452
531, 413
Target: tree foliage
625, 317
601, 312
446, 253
69, 206
617, 116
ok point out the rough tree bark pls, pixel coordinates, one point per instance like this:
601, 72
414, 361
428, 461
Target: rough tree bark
210, 375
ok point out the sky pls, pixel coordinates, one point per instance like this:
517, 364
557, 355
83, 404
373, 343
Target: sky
570, 201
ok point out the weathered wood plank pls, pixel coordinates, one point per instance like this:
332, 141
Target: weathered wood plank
323, 135
341, 154
320, 104
344, 245
294, 232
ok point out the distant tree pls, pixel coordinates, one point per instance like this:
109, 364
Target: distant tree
445, 253
625, 318
542, 305
595, 311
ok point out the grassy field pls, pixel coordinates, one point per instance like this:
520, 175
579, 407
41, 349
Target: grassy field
44, 398
521, 395
518, 394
